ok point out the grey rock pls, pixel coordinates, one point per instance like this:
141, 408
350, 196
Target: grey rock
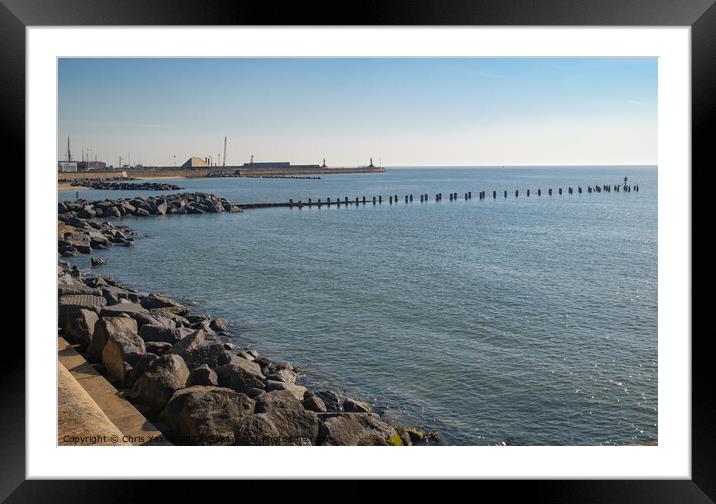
355, 429
115, 295
197, 350
314, 404
164, 303
68, 306
189, 343
239, 377
95, 283
80, 329
282, 375
297, 391
157, 347
144, 363
331, 400
257, 430
121, 348
255, 392
97, 261
202, 415
154, 320
219, 325
123, 308
112, 211
276, 399
155, 387
203, 375
150, 332
353, 406
279, 426
103, 329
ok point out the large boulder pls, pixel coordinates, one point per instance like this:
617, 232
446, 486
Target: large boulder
202, 415
281, 374
112, 211
103, 329
314, 403
241, 375
164, 303
353, 406
123, 308
279, 426
355, 429
97, 239
157, 347
115, 295
126, 207
257, 430
331, 400
80, 329
196, 350
150, 319
203, 375
151, 332
276, 399
97, 261
122, 351
298, 391
69, 306
219, 325
161, 209
190, 343
66, 288
144, 363
155, 386
80, 241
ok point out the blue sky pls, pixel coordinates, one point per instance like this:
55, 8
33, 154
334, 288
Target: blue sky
444, 111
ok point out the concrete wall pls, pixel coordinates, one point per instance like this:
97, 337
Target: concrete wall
258, 172
178, 172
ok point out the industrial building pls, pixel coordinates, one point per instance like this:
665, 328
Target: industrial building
66, 166
195, 162
91, 165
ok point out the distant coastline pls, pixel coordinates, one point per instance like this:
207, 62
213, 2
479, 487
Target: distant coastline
179, 173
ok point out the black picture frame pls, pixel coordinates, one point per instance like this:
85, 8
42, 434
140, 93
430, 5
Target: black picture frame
700, 15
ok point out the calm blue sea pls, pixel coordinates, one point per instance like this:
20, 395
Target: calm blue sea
529, 320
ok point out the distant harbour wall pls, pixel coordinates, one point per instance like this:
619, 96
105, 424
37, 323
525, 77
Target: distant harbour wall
168, 173
160, 172
261, 172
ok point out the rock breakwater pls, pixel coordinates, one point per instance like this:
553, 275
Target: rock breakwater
121, 184
184, 371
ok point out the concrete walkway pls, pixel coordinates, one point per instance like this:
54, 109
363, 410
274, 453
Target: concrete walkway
134, 428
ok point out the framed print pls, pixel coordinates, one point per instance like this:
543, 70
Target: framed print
457, 234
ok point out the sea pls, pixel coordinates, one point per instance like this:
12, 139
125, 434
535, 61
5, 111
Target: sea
517, 320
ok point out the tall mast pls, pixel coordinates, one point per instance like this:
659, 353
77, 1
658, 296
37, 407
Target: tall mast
69, 154
224, 158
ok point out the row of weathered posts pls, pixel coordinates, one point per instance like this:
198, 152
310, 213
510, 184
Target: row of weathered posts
424, 198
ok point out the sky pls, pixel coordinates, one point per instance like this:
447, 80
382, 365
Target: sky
400, 111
